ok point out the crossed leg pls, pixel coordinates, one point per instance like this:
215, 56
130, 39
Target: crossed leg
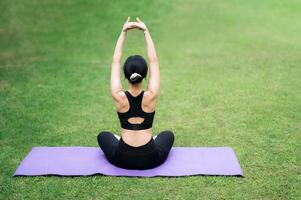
108, 143
165, 140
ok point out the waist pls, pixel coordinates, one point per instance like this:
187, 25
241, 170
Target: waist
136, 138
125, 148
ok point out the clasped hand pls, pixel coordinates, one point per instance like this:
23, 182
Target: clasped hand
132, 25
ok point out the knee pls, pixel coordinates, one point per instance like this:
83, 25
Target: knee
103, 134
169, 134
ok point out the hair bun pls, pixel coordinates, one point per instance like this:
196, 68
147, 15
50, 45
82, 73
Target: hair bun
135, 76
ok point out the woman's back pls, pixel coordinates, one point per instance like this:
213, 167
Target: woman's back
136, 113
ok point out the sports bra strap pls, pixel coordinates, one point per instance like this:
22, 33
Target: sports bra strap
135, 110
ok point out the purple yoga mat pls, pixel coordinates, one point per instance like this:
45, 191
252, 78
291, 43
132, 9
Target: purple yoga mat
83, 161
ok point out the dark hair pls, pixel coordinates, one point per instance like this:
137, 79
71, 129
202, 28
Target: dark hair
135, 68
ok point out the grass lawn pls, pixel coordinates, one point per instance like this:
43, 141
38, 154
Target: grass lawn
230, 76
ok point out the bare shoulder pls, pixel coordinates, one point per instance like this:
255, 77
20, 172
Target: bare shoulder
120, 100
118, 96
150, 96
149, 99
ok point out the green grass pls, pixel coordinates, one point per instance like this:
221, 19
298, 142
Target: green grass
230, 76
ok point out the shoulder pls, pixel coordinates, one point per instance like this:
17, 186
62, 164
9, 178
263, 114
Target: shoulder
149, 101
121, 102
149, 95
119, 97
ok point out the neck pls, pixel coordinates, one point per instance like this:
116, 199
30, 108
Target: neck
135, 89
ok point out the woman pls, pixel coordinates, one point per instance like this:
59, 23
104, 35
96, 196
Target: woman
136, 149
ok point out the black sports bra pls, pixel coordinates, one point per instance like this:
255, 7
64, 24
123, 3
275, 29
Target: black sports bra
135, 110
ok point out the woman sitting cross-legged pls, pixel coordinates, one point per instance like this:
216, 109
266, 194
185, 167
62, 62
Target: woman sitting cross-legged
136, 149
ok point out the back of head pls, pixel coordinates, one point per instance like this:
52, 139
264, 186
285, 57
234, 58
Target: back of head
135, 68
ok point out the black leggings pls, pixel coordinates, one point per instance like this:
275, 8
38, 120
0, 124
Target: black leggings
147, 156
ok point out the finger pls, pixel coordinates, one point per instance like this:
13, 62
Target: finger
128, 19
135, 24
137, 18
130, 23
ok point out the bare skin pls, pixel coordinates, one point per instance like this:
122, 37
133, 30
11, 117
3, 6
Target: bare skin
135, 137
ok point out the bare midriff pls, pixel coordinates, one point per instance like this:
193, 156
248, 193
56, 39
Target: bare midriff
136, 138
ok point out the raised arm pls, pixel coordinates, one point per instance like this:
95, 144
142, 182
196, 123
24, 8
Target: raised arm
116, 86
154, 78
